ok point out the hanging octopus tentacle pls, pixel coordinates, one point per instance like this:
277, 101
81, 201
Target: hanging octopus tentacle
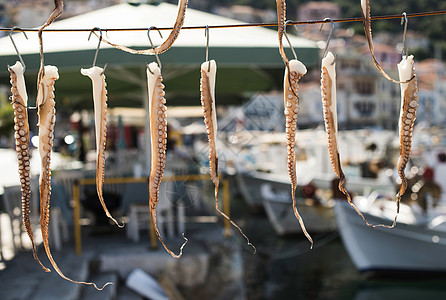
409, 104
207, 88
182, 6
158, 128
100, 116
291, 103
281, 18
47, 118
329, 105
367, 22
281, 21
57, 11
21, 126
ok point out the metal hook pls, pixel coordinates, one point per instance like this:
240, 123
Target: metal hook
99, 43
15, 46
206, 34
288, 40
404, 19
329, 36
153, 47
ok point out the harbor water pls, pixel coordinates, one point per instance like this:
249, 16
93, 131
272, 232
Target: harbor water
286, 268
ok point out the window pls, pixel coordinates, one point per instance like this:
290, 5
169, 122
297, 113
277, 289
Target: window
365, 108
364, 86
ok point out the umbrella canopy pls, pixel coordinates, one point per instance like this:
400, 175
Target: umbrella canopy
247, 58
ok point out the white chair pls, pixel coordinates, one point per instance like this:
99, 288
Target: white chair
135, 201
58, 226
12, 202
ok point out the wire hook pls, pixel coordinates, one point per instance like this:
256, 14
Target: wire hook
404, 20
206, 34
288, 40
99, 43
329, 36
153, 47
15, 46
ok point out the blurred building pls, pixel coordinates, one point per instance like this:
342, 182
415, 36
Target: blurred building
317, 11
431, 75
364, 97
246, 13
4, 13
33, 13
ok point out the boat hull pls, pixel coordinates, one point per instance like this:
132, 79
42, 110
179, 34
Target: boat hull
248, 186
403, 248
317, 218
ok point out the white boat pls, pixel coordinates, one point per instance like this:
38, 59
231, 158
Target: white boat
248, 185
273, 192
278, 206
417, 243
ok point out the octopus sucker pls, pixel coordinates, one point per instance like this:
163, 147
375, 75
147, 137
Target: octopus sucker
409, 104
329, 105
207, 89
158, 150
97, 77
19, 103
291, 80
367, 22
182, 6
46, 112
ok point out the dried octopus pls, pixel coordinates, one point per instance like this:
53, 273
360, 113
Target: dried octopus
19, 103
207, 88
407, 118
291, 103
158, 135
182, 6
47, 118
293, 72
328, 93
409, 104
97, 77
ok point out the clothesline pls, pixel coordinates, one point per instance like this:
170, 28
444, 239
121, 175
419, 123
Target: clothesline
358, 19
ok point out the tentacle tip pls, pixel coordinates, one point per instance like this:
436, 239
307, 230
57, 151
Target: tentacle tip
184, 244
115, 221
253, 248
120, 225
181, 248
100, 289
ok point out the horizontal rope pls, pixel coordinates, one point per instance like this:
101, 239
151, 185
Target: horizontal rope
242, 25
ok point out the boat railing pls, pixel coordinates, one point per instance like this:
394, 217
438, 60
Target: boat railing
436, 222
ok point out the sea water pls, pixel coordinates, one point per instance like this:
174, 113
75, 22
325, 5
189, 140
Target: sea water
286, 268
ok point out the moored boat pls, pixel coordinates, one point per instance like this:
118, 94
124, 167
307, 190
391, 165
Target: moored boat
417, 243
318, 216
